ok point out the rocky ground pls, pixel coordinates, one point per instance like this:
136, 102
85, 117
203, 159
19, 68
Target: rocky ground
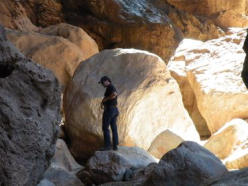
177, 68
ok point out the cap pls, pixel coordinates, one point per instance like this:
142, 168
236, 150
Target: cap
104, 78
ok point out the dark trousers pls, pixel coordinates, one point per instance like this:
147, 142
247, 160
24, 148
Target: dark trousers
109, 118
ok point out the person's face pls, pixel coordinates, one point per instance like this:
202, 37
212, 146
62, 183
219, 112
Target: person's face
106, 83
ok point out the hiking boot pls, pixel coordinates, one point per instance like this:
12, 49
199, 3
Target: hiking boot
105, 149
115, 148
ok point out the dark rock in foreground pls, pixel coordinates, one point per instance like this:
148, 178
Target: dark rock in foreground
29, 114
108, 166
189, 164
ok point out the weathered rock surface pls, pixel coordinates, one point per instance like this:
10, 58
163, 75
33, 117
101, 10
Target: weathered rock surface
144, 84
63, 158
105, 167
127, 21
61, 177
13, 15
239, 158
230, 13
233, 178
110, 166
158, 22
76, 35
226, 140
29, 114
44, 12
45, 182
63, 168
163, 143
62, 55
188, 164
210, 72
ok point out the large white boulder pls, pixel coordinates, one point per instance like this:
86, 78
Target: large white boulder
149, 101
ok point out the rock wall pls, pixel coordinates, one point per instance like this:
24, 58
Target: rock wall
29, 117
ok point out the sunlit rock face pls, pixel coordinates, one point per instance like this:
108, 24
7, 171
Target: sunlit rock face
239, 159
149, 101
126, 24
13, 15
163, 143
59, 48
210, 80
152, 25
225, 13
228, 139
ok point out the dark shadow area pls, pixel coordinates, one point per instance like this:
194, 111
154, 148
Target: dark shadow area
5, 70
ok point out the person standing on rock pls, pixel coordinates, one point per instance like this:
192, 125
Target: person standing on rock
110, 114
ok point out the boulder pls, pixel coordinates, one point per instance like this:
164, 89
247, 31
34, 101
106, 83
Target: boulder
149, 101
136, 156
107, 166
226, 140
29, 117
63, 158
163, 143
219, 92
63, 168
61, 177
59, 54
74, 34
188, 164
104, 167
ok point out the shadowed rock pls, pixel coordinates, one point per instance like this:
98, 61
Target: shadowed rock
29, 114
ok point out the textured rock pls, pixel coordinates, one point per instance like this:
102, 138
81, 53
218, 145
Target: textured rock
188, 164
163, 143
233, 178
63, 158
137, 157
226, 13
74, 34
60, 54
144, 85
29, 114
195, 27
219, 92
110, 166
63, 168
226, 140
45, 182
13, 15
239, 158
126, 21
61, 177
105, 167
44, 12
